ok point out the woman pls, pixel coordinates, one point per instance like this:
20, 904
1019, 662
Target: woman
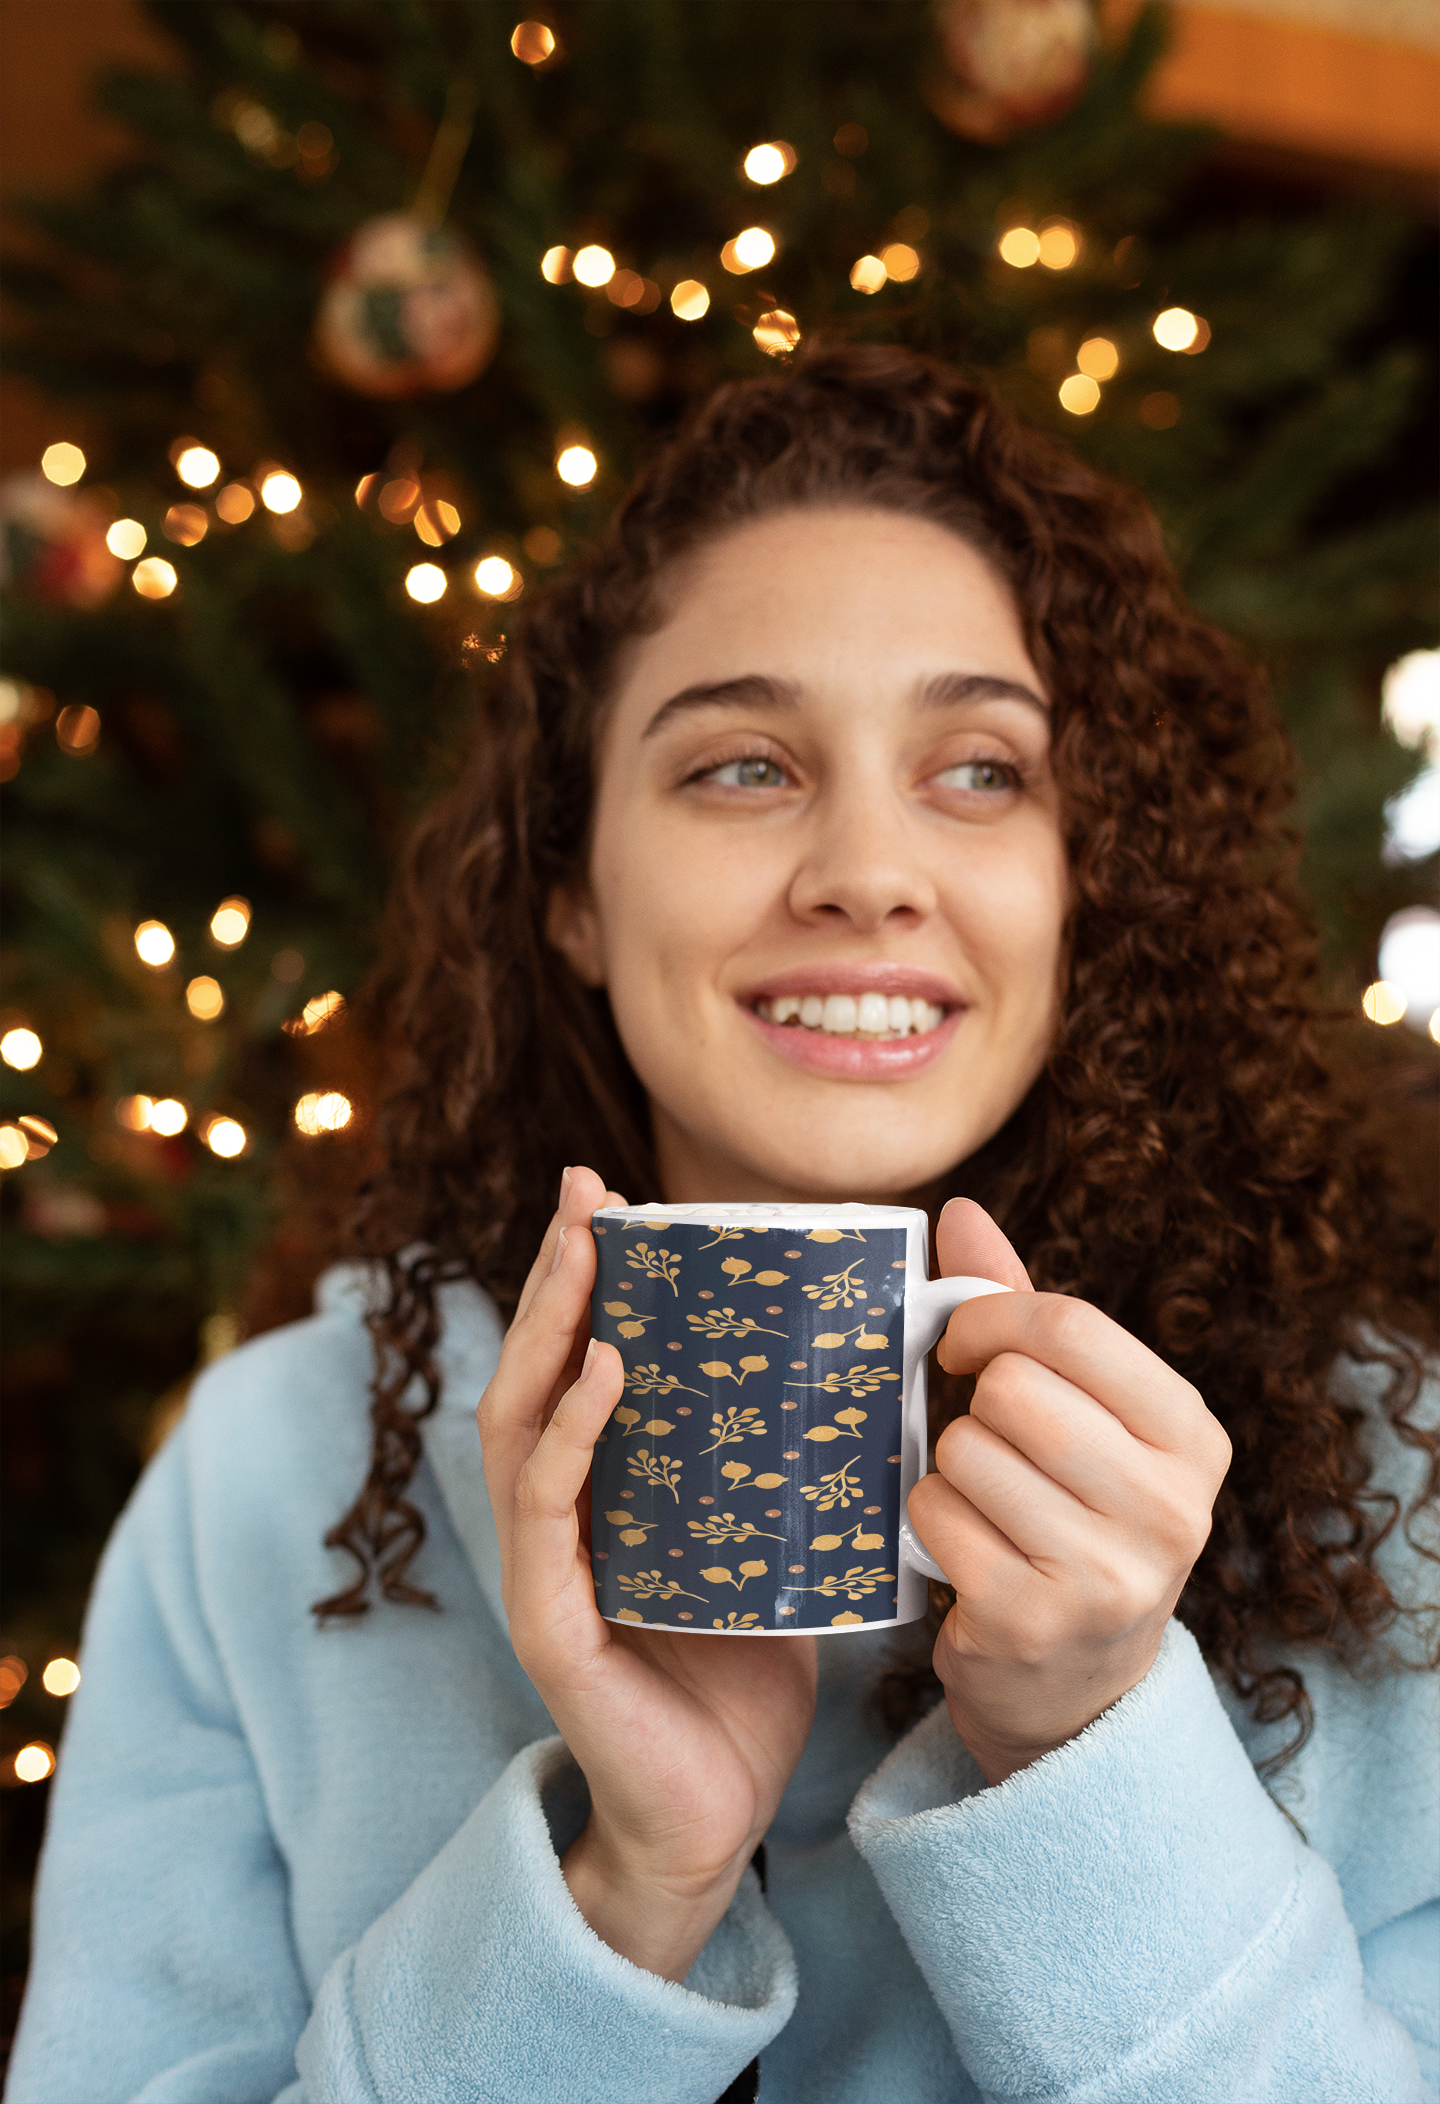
866, 689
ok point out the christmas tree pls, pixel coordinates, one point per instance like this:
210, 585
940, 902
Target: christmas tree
388, 304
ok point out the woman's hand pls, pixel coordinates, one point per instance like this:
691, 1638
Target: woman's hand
1067, 1509
687, 1742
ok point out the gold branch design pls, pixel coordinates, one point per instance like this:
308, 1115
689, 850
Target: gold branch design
735, 1621
719, 1575
659, 1469
721, 1234
866, 1339
856, 1380
661, 1264
737, 1471
735, 1269
834, 1541
832, 1490
722, 1370
648, 1380
839, 1289
732, 1425
632, 1529
649, 1585
724, 1322
856, 1584
724, 1526
633, 1323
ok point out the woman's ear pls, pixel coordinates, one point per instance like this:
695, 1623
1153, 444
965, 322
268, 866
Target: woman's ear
572, 926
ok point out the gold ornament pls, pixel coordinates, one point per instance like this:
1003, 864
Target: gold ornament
1009, 64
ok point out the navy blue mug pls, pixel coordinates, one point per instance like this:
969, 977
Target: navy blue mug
753, 1477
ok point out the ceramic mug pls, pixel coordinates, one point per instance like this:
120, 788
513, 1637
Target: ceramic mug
753, 1477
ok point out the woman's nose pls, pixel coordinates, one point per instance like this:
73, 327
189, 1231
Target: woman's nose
862, 864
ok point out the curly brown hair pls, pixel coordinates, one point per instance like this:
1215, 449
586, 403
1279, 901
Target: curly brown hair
1186, 1161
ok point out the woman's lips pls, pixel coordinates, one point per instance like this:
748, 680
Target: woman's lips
854, 1058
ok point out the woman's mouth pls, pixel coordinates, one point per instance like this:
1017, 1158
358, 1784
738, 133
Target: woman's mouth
879, 1018
864, 1035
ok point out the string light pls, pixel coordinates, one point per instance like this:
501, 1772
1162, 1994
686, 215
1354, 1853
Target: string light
901, 261
1383, 1002
280, 492
21, 1048
198, 467
205, 998
751, 249
34, 1762
776, 332
126, 538
690, 300
230, 922
1079, 394
77, 730
576, 465
768, 163
225, 1137
1059, 244
1176, 329
628, 289
13, 1675
1434, 1025
425, 583
61, 1677
62, 464
1020, 247
593, 266
436, 523
1410, 700
868, 275
14, 1147
168, 1117
319, 1010
532, 43
1098, 357
154, 578
187, 524
327, 1112
133, 1112
555, 266
398, 499
40, 1136
235, 504
496, 578
154, 944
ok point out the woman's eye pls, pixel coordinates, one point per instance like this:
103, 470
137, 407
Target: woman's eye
982, 776
754, 773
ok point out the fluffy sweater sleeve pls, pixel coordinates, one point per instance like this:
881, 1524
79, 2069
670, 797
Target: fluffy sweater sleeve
1132, 1918
165, 1967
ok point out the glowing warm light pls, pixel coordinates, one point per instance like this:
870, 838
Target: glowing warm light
186, 523
555, 265
1059, 245
154, 944
21, 1048
154, 578
13, 1675
14, 1147
62, 464
1160, 411
1098, 357
577, 466
690, 300
752, 249
280, 492
77, 729
1020, 247
61, 1677
776, 332
868, 275
436, 523
205, 998
425, 583
532, 43
1176, 329
1409, 961
626, 289
230, 922
235, 504
225, 1137
496, 578
34, 1762
319, 1010
40, 1136
1434, 1026
1383, 1002
768, 163
901, 261
398, 499
126, 538
330, 1112
1410, 699
168, 1116
1079, 394
593, 265
133, 1112
198, 467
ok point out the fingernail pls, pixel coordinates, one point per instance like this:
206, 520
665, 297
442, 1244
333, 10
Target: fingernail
559, 1251
589, 1355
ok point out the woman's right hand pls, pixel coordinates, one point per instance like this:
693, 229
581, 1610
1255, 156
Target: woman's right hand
687, 1742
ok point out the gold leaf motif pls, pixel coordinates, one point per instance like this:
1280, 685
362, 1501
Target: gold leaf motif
660, 1264
827, 1541
719, 1575
735, 1621
628, 1614
628, 1418
830, 1341
632, 1329
658, 1469
857, 1583
730, 1426
736, 1266
821, 1432
869, 1541
632, 1536
856, 1380
835, 1489
650, 1585
658, 1427
648, 1380
721, 1234
845, 1621
725, 1527
724, 1322
839, 1289
769, 1278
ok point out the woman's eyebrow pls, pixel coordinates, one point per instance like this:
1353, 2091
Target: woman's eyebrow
948, 688
751, 690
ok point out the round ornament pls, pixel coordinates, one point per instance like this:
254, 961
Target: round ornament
1011, 64
409, 310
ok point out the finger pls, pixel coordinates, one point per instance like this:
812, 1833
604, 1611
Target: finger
981, 1563
1074, 1440
544, 1563
968, 1244
1044, 1521
576, 1202
1149, 1398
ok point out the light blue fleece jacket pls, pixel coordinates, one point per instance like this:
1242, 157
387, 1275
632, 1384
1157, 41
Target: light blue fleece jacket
320, 1866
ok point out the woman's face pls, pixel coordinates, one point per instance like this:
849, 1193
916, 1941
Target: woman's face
827, 884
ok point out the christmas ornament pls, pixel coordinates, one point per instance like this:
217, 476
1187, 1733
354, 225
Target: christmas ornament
409, 310
1011, 63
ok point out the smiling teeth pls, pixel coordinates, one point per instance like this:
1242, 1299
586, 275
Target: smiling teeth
854, 1015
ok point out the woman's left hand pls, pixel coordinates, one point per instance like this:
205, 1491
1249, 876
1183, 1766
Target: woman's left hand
1067, 1509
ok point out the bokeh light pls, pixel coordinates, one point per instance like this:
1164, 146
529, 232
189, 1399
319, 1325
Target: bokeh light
154, 578
230, 922
1079, 394
40, 1136
1020, 247
34, 1762
437, 522
902, 262
1409, 961
21, 1048
225, 1137
576, 465
1382, 1002
768, 163
1410, 700
1059, 245
126, 538
14, 1148
532, 42
235, 504
154, 944
1175, 329
198, 467
319, 1010
496, 578
205, 998
425, 583
751, 249
62, 463
280, 492
593, 266
186, 524
776, 332
168, 1117
13, 1675
133, 1112
555, 266
1098, 357
319, 1113
868, 274
690, 300
61, 1677
77, 730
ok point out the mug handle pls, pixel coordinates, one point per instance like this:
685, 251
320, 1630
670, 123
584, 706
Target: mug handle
928, 1307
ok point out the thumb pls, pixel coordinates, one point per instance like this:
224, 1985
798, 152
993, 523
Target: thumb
968, 1244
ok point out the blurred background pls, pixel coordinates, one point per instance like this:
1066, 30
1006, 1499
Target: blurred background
332, 326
